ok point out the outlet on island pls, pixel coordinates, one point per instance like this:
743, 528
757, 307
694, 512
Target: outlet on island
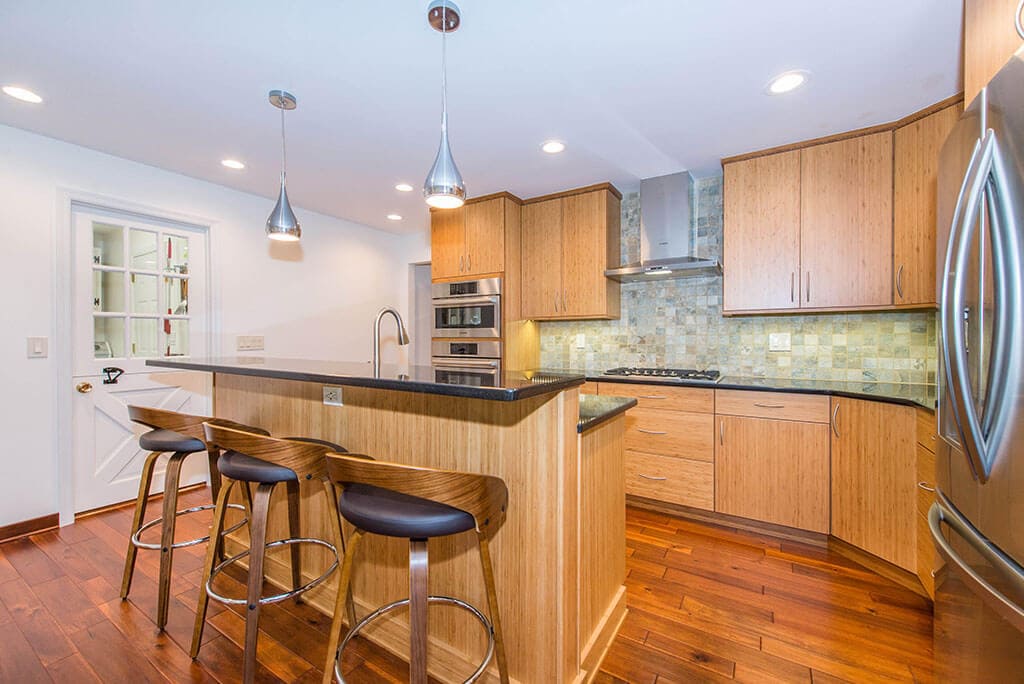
332, 396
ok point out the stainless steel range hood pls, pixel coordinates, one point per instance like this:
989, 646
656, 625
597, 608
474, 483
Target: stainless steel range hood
668, 234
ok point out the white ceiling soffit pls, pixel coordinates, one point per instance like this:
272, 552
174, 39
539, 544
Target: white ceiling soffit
636, 89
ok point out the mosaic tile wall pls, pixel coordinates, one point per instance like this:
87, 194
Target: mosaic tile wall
679, 324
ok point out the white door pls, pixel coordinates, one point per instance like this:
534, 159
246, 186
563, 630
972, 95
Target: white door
139, 290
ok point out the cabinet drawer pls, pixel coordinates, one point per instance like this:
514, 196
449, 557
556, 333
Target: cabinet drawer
671, 433
927, 432
675, 480
925, 479
691, 399
929, 562
808, 408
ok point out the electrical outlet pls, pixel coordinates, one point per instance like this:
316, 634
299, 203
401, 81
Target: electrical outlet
249, 343
37, 347
779, 342
581, 341
332, 396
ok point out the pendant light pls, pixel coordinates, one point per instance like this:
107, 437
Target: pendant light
444, 188
282, 224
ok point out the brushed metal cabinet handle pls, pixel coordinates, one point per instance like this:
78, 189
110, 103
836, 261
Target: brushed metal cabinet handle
556, 301
565, 307
469, 262
652, 477
808, 286
721, 432
771, 406
462, 262
925, 487
652, 396
835, 421
899, 281
792, 286
651, 432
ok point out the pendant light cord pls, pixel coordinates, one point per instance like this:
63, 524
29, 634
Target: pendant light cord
284, 149
444, 68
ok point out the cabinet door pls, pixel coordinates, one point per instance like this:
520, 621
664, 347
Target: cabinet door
990, 39
775, 471
542, 259
916, 147
846, 222
761, 242
585, 255
485, 237
874, 479
447, 243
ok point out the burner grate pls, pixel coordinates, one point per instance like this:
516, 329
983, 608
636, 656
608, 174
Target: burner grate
669, 373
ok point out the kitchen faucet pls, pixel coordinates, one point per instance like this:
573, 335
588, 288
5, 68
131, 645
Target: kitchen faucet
403, 336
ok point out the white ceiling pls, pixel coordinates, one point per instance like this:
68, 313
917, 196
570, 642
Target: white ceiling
637, 88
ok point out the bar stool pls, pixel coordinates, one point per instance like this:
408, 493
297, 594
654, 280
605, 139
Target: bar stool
416, 503
180, 435
265, 462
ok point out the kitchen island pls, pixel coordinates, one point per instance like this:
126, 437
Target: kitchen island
559, 556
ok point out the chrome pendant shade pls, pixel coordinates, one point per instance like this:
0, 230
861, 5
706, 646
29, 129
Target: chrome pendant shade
282, 224
443, 187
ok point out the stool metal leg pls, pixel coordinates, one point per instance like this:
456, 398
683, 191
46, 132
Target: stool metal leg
216, 528
344, 598
418, 591
492, 608
172, 476
145, 482
257, 545
295, 532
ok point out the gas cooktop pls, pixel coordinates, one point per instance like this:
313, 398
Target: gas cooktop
666, 374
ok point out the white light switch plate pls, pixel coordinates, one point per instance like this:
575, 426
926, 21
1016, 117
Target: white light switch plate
779, 342
581, 341
332, 396
38, 347
249, 343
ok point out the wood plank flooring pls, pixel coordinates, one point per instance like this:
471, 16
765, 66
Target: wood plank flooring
706, 604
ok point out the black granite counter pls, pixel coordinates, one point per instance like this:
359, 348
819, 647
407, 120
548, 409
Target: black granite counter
511, 386
895, 393
595, 409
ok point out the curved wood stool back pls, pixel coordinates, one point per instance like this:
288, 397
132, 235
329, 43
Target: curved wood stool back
484, 497
306, 458
186, 425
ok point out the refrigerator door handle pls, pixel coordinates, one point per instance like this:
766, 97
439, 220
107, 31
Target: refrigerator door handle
940, 513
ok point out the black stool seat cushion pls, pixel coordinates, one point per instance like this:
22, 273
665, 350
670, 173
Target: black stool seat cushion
382, 511
248, 469
167, 440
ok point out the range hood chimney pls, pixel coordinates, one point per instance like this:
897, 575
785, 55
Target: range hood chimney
668, 233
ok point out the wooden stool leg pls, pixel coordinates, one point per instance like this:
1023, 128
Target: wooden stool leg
418, 590
339, 544
492, 608
172, 476
145, 482
295, 531
257, 549
344, 598
211, 560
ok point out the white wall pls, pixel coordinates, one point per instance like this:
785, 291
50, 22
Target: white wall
314, 300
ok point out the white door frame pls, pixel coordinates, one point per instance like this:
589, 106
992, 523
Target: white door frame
60, 347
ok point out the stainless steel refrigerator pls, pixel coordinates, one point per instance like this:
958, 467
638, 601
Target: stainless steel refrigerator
977, 520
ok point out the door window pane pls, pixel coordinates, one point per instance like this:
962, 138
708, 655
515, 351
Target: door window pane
177, 253
143, 249
107, 244
176, 296
177, 337
145, 337
108, 291
108, 337
143, 293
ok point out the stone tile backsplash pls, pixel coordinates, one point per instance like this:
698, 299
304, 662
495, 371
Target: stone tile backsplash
679, 324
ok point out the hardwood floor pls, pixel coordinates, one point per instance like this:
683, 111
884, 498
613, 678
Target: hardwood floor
705, 604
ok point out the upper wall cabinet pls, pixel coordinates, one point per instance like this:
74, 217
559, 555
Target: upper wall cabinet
469, 242
917, 147
569, 240
990, 39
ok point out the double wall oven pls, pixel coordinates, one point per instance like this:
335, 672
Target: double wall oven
466, 338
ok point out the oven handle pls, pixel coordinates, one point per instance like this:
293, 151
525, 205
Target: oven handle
464, 364
462, 301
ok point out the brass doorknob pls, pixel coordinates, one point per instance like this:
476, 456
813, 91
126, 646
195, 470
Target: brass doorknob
84, 387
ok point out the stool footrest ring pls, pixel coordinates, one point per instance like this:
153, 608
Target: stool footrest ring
137, 541
276, 597
384, 610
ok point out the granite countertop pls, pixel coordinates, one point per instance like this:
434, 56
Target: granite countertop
595, 409
923, 396
511, 386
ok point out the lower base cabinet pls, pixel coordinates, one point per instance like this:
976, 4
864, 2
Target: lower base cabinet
774, 471
681, 481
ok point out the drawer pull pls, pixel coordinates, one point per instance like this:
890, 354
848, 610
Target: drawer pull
652, 477
925, 487
652, 396
769, 405
651, 432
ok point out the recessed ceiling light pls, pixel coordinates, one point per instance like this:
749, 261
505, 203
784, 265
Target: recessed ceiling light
232, 164
394, 217
403, 187
787, 82
553, 146
22, 94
